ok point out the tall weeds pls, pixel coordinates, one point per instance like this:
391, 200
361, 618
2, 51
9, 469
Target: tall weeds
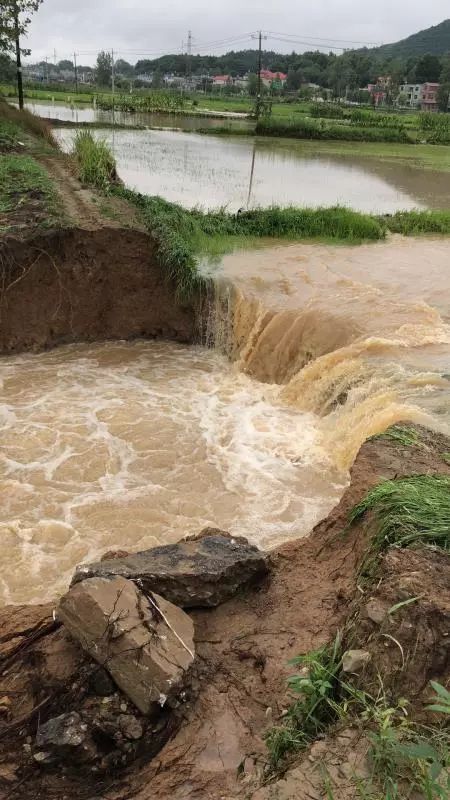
96, 163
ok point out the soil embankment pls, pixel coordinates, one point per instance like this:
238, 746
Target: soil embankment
238, 687
86, 285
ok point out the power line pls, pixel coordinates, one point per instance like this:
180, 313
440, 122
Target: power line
322, 38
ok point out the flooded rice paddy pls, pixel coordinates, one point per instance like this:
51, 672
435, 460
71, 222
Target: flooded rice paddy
242, 171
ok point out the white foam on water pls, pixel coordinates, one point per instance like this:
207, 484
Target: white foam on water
128, 445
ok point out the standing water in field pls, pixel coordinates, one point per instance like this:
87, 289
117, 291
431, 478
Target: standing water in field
233, 171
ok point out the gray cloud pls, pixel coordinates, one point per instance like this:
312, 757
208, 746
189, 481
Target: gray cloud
161, 25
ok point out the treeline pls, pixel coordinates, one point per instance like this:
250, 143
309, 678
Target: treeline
341, 75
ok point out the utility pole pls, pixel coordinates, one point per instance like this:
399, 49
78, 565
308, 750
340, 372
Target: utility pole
260, 37
259, 64
112, 74
18, 55
76, 72
188, 55
113, 87
46, 69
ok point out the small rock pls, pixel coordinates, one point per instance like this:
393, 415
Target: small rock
201, 571
130, 727
43, 758
67, 730
355, 660
375, 611
123, 707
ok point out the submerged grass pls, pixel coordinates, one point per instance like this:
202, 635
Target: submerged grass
408, 511
401, 434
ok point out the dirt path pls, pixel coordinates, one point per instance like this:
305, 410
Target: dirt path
84, 208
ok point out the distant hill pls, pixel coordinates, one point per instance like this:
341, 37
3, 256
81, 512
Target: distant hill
435, 40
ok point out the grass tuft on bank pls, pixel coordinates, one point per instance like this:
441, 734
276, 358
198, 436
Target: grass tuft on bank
408, 511
95, 161
415, 223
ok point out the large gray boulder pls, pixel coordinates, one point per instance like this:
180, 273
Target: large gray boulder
143, 641
202, 571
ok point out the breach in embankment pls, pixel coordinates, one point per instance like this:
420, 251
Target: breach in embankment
162, 671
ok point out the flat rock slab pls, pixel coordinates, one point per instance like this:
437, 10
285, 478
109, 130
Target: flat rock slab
143, 641
202, 571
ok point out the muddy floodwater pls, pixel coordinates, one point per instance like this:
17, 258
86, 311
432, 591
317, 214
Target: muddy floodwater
360, 336
242, 171
125, 445
131, 445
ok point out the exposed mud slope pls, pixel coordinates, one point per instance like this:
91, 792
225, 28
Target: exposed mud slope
238, 689
86, 285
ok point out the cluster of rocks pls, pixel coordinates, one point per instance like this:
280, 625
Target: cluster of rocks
127, 613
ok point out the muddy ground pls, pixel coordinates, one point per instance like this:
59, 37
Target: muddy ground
215, 742
86, 285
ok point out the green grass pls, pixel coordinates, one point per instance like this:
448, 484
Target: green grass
9, 135
401, 434
309, 128
317, 688
414, 223
185, 237
402, 754
24, 181
408, 511
95, 161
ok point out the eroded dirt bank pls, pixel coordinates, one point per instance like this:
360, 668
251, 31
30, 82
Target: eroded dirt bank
215, 746
86, 285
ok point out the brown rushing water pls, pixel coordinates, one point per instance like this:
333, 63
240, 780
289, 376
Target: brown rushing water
130, 444
359, 336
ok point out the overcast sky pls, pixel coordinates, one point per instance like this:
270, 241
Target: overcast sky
157, 26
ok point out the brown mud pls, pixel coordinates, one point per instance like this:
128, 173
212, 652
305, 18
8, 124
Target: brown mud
86, 285
216, 748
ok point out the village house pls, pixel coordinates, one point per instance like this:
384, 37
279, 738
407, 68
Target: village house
273, 80
422, 96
